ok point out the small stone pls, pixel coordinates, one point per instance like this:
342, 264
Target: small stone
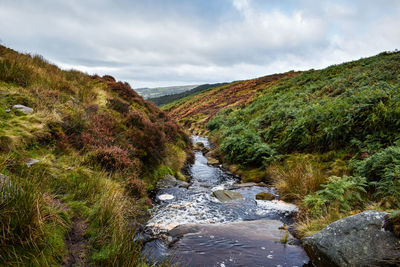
23, 109
265, 196
30, 162
212, 161
7, 110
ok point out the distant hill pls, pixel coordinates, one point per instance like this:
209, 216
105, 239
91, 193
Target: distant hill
162, 100
195, 110
161, 91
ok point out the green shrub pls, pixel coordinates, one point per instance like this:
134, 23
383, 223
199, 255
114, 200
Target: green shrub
342, 192
382, 170
215, 123
246, 148
353, 106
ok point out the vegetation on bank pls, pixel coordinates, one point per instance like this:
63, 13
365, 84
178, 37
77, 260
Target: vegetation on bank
100, 147
328, 139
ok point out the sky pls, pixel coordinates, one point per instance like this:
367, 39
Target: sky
152, 43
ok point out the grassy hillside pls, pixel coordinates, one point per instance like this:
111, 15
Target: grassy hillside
194, 111
163, 100
328, 139
161, 91
74, 173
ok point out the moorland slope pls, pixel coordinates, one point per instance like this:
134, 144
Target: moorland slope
78, 154
328, 139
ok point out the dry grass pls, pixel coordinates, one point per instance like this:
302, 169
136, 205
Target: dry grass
311, 225
296, 178
72, 121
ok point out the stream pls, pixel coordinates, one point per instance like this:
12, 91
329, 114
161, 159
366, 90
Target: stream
194, 228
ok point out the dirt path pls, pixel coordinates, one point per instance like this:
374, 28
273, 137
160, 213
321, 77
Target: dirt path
76, 244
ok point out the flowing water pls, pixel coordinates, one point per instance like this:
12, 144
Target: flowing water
237, 233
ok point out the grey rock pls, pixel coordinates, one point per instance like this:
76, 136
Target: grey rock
226, 195
170, 181
181, 183
358, 240
261, 238
7, 110
251, 184
184, 229
23, 109
30, 162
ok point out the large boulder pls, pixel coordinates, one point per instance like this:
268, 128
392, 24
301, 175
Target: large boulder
226, 195
247, 243
358, 240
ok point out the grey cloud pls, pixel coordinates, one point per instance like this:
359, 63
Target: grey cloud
184, 42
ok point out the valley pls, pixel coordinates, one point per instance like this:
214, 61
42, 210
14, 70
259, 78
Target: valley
275, 169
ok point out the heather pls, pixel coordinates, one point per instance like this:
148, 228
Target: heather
97, 149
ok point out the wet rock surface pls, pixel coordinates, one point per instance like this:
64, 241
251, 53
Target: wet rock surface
227, 195
253, 243
170, 181
358, 240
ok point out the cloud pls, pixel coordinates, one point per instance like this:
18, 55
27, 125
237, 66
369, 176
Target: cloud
171, 42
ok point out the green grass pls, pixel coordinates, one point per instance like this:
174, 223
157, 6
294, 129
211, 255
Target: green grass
299, 131
94, 165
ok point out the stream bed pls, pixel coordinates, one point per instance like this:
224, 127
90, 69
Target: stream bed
194, 228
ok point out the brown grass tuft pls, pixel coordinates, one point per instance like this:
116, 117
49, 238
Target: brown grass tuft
295, 180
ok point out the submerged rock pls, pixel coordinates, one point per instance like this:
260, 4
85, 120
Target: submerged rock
265, 196
23, 109
358, 240
226, 195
